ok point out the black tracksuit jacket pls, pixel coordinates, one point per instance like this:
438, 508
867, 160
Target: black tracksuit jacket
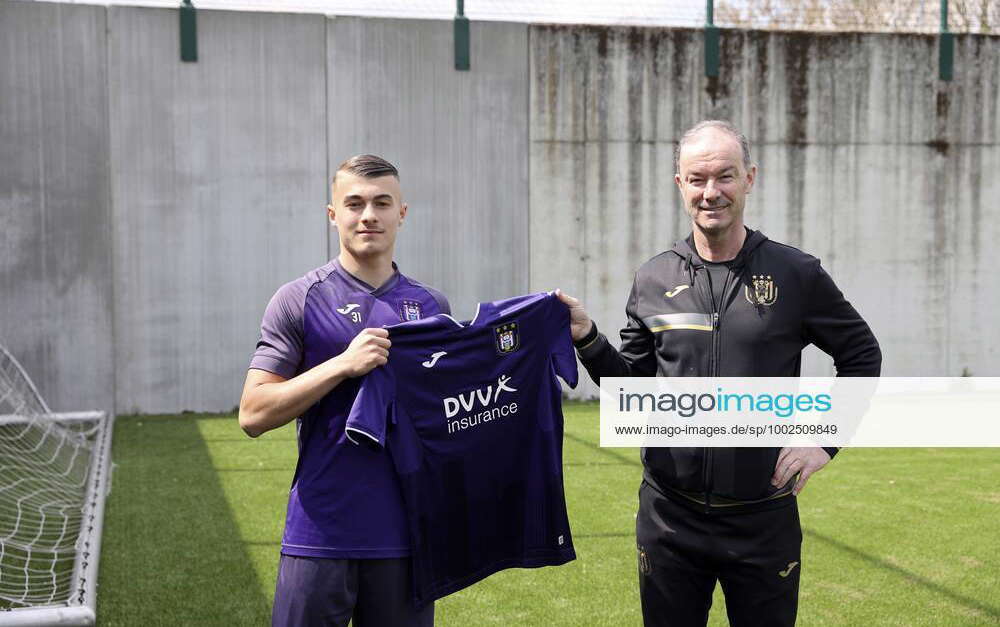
776, 301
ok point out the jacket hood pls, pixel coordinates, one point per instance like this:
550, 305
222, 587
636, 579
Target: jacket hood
685, 249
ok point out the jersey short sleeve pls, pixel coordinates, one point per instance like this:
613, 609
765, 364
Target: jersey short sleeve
565, 366
368, 421
279, 349
563, 353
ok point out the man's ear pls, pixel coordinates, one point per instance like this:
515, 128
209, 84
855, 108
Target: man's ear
331, 213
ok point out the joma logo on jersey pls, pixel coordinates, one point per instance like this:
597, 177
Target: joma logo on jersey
507, 338
433, 360
483, 397
765, 292
350, 310
409, 310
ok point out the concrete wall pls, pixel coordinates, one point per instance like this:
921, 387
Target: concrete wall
866, 161
218, 172
55, 228
190, 192
459, 140
149, 208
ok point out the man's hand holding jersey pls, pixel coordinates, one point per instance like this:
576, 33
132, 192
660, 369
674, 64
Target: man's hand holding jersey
579, 322
270, 400
367, 351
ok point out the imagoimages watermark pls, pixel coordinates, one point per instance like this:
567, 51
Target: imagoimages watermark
806, 411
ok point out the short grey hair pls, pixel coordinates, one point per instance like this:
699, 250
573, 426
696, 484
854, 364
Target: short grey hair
722, 125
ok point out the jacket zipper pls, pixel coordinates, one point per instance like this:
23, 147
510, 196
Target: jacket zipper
713, 369
716, 322
706, 451
714, 372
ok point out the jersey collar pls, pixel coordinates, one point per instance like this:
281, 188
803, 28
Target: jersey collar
362, 285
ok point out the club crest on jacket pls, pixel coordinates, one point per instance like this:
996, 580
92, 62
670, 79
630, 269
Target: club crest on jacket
765, 292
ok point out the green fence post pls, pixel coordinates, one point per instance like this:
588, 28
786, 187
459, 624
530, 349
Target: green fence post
461, 38
946, 46
711, 41
189, 33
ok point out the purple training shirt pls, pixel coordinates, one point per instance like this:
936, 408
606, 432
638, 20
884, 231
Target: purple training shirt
345, 500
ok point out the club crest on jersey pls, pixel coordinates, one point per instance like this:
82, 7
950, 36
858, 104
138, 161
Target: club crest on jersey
765, 292
409, 310
507, 338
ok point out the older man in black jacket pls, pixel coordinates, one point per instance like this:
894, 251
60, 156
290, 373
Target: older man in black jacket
726, 302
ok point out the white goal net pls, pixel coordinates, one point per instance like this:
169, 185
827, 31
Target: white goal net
54, 477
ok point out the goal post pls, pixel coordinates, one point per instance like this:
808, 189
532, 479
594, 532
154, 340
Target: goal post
54, 479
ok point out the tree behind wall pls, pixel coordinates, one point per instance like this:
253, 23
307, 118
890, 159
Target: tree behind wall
964, 16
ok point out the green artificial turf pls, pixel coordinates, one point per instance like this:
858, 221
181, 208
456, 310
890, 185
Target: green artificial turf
892, 536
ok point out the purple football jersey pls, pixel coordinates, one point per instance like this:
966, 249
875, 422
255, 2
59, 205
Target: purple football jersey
471, 415
345, 501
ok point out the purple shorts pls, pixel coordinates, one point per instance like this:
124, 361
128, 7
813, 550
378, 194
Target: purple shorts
371, 592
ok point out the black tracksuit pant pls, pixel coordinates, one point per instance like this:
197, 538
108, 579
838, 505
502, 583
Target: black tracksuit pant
683, 551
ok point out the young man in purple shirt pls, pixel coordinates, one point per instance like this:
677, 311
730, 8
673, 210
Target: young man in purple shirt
345, 551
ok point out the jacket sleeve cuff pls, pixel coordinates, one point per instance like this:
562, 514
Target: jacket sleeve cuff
588, 339
831, 451
593, 347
